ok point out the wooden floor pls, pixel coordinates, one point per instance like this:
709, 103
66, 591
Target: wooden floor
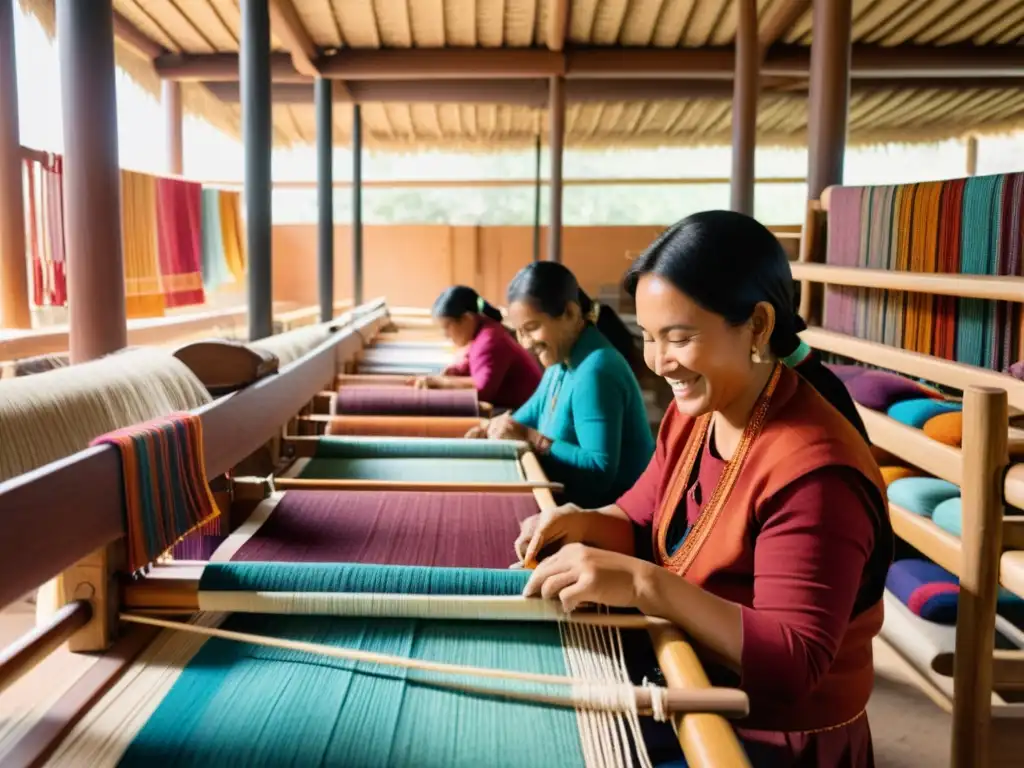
909, 731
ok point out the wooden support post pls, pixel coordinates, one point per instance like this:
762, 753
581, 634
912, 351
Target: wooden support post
173, 116
92, 182
357, 206
254, 73
92, 580
14, 308
971, 147
828, 109
986, 457
536, 205
829, 93
556, 115
325, 196
744, 109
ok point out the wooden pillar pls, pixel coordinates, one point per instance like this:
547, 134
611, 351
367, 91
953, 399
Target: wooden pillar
14, 308
92, 180
972, 155
986, 457
357, 205
325, 196
173, 115
254, 74
829, 93
744, 109
536, 205
556, 115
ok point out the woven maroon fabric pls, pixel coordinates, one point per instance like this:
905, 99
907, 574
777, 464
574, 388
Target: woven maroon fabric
457, 530
406, 401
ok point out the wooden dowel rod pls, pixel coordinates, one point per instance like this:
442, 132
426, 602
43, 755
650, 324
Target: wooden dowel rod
994, 288
722, 700
31, 648
425, 486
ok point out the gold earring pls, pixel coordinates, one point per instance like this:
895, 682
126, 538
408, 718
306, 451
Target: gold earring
755, 356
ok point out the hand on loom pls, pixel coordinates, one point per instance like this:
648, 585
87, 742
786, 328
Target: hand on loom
578, 574
478, 432
504, 428
542, 535
424, 382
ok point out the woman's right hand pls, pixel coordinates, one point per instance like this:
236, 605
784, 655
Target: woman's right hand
479, 432
562, 525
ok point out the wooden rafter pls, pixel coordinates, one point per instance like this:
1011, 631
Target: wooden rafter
558, 24
136, 39
288, 27
780, 20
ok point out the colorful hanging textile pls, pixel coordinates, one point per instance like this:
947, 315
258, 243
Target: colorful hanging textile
179, 227
215, 266
165, 490
143, 294
45, 230
963, 226
232, 233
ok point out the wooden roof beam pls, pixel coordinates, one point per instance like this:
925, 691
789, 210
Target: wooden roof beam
779, 21
534, 92
287, 26
134, 38
902, 63
558, 24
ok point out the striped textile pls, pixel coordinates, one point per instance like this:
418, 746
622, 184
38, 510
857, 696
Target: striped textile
962, 226
215, 266
143, 294
166, 495
179, 227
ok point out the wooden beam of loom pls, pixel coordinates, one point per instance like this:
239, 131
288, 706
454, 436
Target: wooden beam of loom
288, 27
902, 64
50, 524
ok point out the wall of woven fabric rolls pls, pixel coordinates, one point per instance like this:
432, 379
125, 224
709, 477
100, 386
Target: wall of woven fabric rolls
963, 226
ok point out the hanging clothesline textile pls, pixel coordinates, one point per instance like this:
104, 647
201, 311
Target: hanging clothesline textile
964, 226
179, 240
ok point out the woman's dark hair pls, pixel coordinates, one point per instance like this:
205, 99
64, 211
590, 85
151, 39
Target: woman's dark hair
550, 287
728, 263
456, 301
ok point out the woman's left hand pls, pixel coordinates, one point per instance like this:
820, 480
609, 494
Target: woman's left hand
504, 428
578, 574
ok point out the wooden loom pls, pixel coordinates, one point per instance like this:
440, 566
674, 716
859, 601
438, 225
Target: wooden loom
985, 692
55, 527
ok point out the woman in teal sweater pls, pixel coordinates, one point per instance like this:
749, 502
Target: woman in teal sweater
586, 421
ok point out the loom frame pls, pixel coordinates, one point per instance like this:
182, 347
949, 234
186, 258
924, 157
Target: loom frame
229, 437
990, 553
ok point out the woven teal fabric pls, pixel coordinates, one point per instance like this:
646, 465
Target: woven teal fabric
414, 448
415, 470
244, 705
355, 578
979, 256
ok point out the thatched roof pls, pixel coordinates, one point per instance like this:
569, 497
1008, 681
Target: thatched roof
916, 106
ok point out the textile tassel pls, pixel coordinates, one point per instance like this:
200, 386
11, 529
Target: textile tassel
923, 258
179, 223
978, 244
215, 267
844, 232
232, 236
165, 489
138, 232
948, 262
1009, 263
32, 217
878, 257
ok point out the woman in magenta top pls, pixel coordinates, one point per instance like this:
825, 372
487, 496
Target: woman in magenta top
504, 374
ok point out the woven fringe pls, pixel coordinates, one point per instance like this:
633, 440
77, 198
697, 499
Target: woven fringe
165, 490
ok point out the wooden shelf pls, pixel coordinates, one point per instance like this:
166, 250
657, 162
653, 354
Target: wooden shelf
991, 287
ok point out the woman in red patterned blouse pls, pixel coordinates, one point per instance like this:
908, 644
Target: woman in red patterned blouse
760, 526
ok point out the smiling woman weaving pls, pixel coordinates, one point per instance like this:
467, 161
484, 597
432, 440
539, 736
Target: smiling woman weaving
762, 510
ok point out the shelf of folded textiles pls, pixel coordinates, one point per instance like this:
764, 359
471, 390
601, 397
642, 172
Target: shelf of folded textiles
990, 287
948, 373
